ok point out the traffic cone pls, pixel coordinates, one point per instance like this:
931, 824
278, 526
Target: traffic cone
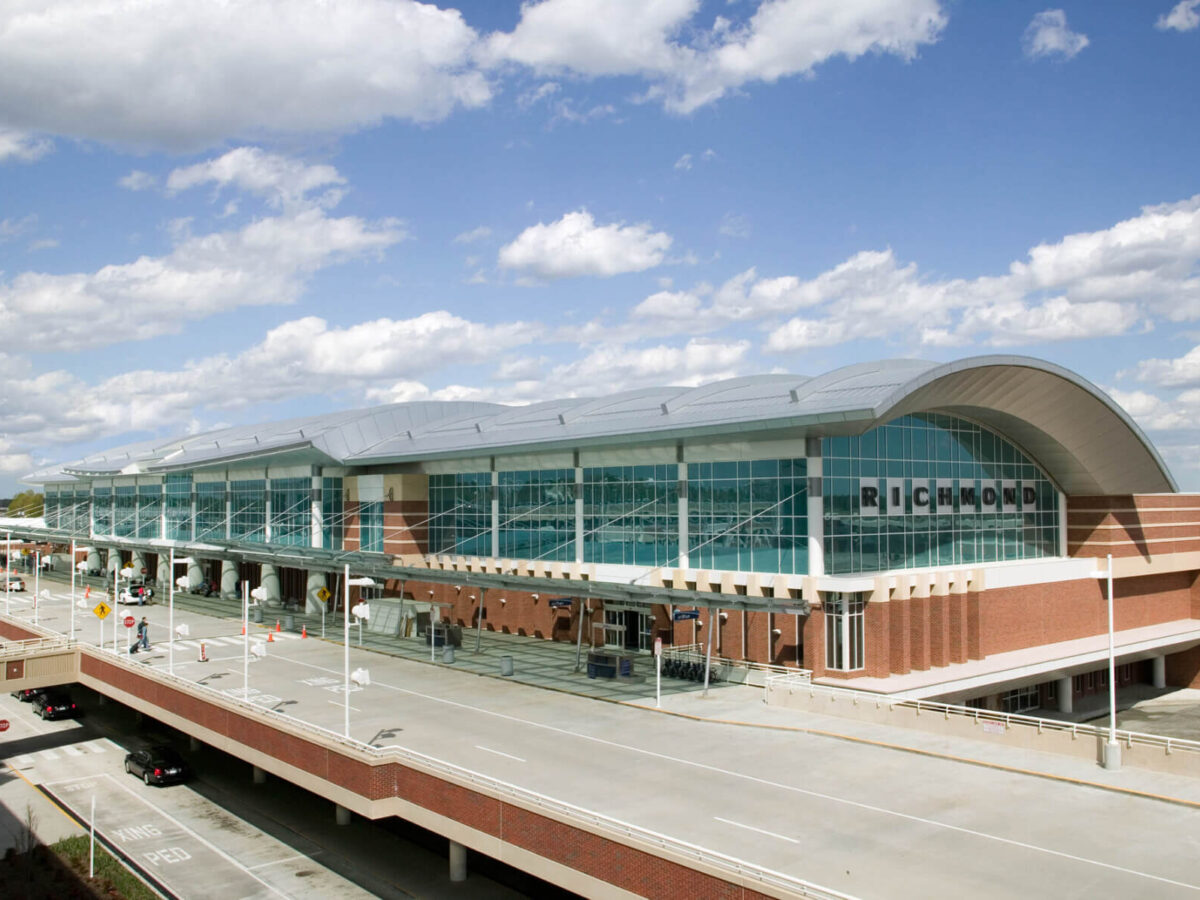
243, 628
303, 631
203, 655
88, 592
277, 628
270, 637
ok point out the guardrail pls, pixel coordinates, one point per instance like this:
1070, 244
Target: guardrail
730, 866
697, 653
32, 645
1009, 720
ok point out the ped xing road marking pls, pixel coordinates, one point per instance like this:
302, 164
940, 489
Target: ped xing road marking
165, 855
781, 837
772, 784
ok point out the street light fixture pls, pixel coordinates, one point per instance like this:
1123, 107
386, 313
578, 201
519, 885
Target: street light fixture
171, 608
347, 583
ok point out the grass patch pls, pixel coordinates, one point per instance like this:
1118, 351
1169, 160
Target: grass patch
61, 872
112, 878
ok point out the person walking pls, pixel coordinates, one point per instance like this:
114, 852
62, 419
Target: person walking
144, 633
137, 641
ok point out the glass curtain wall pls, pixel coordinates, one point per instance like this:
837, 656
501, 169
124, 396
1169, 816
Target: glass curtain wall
80, 510
332, 514
748, 516
210, 510
50, 506
844, 620
248, 510
921, 456
102, 510
291, 511
537, 514
178, 506
149, 515
460, 514
370, 526
631, 515
125, 511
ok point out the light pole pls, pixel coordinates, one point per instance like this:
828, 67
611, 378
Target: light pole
7, 572
37, 571
75, 568
259, 594
1112, 750
171, 609
347, 582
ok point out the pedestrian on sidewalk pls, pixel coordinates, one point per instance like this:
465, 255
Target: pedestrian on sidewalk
144, 633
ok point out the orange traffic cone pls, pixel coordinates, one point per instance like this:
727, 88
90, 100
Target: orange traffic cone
203, 655
87, 593
303, 631
270, 637
277, 628
243, 628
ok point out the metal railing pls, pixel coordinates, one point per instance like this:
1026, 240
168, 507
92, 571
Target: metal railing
32, 645
696, 653
1009, 720
736, 869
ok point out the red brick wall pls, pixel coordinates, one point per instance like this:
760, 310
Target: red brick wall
1183, 669
1133, 525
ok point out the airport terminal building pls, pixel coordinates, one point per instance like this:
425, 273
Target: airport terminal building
939, 530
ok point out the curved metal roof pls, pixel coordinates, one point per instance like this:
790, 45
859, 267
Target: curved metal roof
1082, 439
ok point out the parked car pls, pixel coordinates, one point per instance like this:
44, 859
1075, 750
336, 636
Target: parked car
157, 765
136, 593
55, 705
16, 583
27, 695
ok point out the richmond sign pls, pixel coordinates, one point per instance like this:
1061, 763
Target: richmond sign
922, 496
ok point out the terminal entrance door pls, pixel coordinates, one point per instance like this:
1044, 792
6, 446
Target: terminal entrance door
627, 628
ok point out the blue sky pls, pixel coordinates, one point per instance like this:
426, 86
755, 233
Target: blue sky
222, 213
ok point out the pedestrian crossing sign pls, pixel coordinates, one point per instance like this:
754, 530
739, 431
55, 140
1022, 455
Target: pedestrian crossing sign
323, 594
102, 610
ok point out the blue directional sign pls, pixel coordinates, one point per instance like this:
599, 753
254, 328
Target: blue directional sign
682, 615
564, 603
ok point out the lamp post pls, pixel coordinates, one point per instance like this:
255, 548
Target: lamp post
171, 609
347, 582
7, 572
259, 594
37, 571
1112, 750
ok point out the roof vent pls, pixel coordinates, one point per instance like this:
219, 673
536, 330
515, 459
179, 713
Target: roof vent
665, 411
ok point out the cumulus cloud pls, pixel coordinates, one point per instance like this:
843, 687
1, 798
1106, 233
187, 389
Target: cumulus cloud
575, 245
186, 74
781, 38
137, 180
1153, 413
268, 261
1183, 371
20, 146
1048, 35
1182, 17
475, 234
281, 180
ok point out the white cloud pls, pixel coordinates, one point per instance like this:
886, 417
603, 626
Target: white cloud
735, 226
266, 262
283, 181
22, 147
187, 74
42, 244
1183, 371
575, 245
475, 234
1048, 35
781, 38
1182, 17
137, 180
12, 228
684, 162
1154, 413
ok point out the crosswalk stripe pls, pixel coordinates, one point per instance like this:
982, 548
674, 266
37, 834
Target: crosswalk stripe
96, 747
22, 762
72, 751
49, 754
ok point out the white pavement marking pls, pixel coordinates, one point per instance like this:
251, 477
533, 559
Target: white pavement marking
72, 751
48, 754
341, 705
781, 837
21, 762
498, 752
276, 862
215, 849
773, 784
96, 746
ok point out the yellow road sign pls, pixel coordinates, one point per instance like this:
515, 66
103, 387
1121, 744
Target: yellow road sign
102, 610
323, 594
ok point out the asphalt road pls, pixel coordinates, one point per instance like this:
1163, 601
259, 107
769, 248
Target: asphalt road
867, 820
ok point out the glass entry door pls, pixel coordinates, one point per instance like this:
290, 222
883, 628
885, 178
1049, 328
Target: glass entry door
628, 629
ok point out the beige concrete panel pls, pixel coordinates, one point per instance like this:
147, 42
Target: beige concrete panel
410, 488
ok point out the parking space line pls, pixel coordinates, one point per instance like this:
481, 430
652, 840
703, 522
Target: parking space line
276, 862
781, 837
498, 752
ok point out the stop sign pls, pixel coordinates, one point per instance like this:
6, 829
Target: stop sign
129, 621
3, 724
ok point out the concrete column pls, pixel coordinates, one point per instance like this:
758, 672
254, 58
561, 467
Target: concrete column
579, 535
816, 507
229, 578
195, 573
260, 777
270, 582
267, 516
94, 560
1158, 672
1066, 697
495, 515
341, 815
193, 744
312, 603
139, 562
164, 573
682, 510
114, 563
317, 523
458, 862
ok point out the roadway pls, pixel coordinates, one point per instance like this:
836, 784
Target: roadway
867, 820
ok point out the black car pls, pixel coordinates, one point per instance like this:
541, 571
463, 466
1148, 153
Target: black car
157, 765
27, 695
55, 705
